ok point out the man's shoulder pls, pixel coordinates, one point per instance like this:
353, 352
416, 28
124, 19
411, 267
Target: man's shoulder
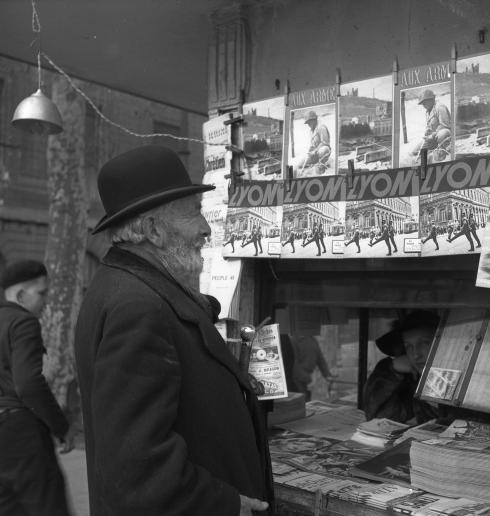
13, 311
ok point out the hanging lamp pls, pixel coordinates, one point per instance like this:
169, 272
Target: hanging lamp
37, 114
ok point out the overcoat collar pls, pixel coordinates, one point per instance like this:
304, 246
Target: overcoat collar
180, 302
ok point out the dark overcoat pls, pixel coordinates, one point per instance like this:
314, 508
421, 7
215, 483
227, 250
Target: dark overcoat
172, 426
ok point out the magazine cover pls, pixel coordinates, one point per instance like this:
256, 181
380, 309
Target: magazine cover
311, 122
472, 102
266, 363
262, 135
391, 465
454, 205
423, 114
365, 124
382, 215
253, 221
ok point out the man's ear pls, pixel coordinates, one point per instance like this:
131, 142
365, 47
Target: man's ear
154, 232
20, 295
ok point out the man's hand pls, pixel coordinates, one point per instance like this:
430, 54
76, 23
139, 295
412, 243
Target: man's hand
402, 365
68, 442
247, 505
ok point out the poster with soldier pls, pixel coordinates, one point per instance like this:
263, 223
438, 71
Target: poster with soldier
313, 230
253, 221
366, 124
423, 109
454, 204
262, 135
311, 129
472, 101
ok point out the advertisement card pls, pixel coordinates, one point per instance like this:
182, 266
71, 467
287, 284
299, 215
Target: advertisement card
423, 114
266, 363
365, 124
262, 134
311, 132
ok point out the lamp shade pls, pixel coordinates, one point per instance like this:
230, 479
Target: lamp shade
37, 114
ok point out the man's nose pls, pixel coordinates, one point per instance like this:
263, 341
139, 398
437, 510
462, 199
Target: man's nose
205, 228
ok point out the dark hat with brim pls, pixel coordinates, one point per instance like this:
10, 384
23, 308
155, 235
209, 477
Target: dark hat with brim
391, 343
140, 180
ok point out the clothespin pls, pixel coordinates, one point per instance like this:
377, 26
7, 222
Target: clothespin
396, 69
235, 149
350, 173
234, 119
287, 89
454, 57
338, 81
234, 177
289, 179
423, 164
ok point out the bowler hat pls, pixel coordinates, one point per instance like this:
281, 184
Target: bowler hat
427, 95
310, 116
141, 179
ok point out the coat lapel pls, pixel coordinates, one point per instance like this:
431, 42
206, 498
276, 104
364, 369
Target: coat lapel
184, 306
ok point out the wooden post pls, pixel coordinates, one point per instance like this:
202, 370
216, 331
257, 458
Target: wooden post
66, 244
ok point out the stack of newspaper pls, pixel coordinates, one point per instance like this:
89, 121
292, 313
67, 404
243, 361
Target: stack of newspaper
379, 496
428, 430
452, 467
379, 432
432, 505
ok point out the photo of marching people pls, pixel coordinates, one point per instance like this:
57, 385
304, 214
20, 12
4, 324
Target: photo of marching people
312, 140
381, 227
453, 222
314, 230
262, 133
425, 120
472, 101
365, 124
253, 232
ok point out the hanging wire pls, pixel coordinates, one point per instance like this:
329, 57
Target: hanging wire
36, 28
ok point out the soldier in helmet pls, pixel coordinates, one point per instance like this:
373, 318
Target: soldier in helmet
437, 134
319, 150
432, 234
355, 239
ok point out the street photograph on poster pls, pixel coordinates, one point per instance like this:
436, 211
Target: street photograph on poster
452, 219
483, 276
253, 231
424, 114
376, 228
311, 132
313, 230
472, 101
365, 124
262, 133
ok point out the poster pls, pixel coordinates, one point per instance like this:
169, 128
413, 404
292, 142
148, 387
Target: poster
266, 363
216, 159
423, 114
472, 101
313, 230
311, 130
366, 124
252, 230
382, 219
454, 202
262, 134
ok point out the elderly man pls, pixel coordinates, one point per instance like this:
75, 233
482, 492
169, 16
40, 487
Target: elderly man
31, 482
172, 425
